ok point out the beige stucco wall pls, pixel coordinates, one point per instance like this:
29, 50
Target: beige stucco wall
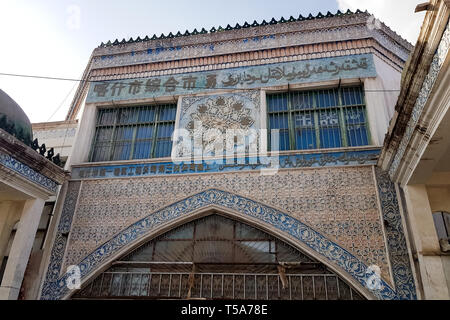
439, 197
57, 135
381, 96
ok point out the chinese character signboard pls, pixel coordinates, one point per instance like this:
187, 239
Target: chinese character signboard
356, 66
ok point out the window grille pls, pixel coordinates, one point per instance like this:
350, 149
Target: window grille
215, 257
133, 133
330, 118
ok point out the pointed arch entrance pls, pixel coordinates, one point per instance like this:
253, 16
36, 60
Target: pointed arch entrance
217, 257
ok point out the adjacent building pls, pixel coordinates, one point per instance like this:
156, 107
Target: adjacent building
29, 178
59, 135
416, 151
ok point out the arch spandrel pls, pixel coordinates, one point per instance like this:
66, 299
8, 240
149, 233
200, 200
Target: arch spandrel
348, 216
279, 224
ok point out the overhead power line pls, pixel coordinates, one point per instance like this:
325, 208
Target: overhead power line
127, 84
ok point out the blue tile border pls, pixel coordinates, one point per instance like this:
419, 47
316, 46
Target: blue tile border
396, 241
28, 173
425, 91
325, 159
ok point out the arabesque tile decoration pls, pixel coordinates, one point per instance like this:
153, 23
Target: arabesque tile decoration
425, 92
219, 113
334, 211
398, 248
28, 173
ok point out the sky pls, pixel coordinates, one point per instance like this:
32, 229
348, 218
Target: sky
55, 38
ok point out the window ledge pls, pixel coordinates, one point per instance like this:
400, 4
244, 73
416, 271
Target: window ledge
281, 153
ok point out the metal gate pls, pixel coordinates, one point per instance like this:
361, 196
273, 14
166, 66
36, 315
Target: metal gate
121, 285
217, 258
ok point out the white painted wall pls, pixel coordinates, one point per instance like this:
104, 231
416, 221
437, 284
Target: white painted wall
381, 97
84, 136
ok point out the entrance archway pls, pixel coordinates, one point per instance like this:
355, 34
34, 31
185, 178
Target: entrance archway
216, 257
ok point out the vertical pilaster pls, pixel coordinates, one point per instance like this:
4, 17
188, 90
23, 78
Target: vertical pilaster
9, 215
21, 249
427, 244
375, 108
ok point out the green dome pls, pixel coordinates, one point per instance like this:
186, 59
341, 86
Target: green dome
13, 120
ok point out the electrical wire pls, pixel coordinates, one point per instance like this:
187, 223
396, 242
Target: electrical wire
128, 84
62, 102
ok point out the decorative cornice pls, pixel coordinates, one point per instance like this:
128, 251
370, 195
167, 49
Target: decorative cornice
11, 147
418, 80
261, 57
417, 128
195, 37
26, 172
320, 31
281, 38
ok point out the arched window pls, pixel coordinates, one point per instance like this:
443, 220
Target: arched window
218, 258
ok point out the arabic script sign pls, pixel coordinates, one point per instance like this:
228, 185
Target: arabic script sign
355, 66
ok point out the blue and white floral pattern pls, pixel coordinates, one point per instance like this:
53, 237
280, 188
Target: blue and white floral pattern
28, 173
427, 87
396, 241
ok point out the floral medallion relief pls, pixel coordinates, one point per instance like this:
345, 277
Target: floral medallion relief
228, 122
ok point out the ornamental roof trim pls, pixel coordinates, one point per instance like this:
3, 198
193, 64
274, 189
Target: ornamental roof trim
245, 25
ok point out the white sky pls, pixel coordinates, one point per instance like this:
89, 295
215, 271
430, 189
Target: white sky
397, 14
56, 37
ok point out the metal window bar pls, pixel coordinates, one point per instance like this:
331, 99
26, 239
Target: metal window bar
140, 284
314, 288
290, 288
319, 118
338, 290
133, 133
212, 278
110, 285
301, 286
101, 284
120, 284
222, 286
127, 278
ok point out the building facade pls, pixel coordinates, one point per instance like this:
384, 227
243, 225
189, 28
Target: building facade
297, 209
